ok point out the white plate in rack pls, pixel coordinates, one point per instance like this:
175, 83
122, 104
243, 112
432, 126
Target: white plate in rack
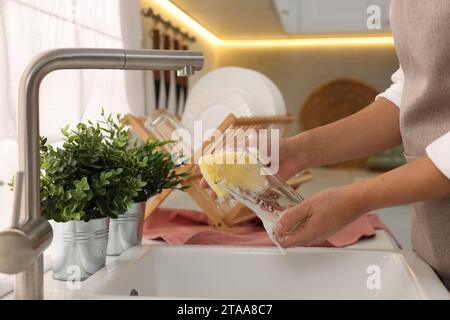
240, 91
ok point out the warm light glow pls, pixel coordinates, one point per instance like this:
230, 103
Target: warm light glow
338, 41
188, 21
292, 42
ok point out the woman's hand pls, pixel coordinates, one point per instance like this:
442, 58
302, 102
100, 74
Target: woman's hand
317, 218
292, 158
320, 216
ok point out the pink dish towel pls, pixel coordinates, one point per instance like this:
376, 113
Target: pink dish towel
178, 226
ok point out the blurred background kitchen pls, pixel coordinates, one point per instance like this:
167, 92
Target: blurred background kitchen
328, 59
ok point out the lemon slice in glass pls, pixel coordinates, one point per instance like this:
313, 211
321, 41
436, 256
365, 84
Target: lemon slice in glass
231, 169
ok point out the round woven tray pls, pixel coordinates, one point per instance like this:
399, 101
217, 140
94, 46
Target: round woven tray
334, 101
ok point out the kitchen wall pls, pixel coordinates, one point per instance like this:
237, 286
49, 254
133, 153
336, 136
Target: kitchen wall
298, 71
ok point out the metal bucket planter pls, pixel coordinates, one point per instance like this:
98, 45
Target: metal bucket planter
126, 231
79, 248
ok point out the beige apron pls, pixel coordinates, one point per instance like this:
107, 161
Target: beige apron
422, 36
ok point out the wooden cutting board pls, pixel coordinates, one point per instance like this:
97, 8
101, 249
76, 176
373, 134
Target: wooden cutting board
333, 101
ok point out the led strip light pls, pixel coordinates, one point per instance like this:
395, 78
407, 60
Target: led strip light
290, 42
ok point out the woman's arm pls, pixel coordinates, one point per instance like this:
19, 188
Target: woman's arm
419, 180
326, 212
369, 131
374, 129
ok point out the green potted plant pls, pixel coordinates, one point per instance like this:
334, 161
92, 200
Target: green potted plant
156, 169
91, 178
83, 184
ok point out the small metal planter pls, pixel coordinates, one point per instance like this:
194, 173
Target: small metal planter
79, 248
126, 231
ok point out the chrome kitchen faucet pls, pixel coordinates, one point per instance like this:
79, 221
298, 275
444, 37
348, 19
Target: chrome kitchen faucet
22, 245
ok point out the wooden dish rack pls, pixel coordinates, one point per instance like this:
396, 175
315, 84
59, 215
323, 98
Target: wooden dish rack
218, 216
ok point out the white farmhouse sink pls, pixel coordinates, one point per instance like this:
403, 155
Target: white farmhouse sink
220, 272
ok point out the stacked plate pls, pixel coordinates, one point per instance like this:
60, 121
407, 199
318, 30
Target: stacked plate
240, 91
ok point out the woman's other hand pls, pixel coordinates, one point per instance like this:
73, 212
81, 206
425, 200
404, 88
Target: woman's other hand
317, 218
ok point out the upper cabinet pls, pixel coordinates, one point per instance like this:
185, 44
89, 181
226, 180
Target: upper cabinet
333, 16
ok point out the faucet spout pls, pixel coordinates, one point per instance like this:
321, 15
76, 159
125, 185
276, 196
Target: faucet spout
22, 245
